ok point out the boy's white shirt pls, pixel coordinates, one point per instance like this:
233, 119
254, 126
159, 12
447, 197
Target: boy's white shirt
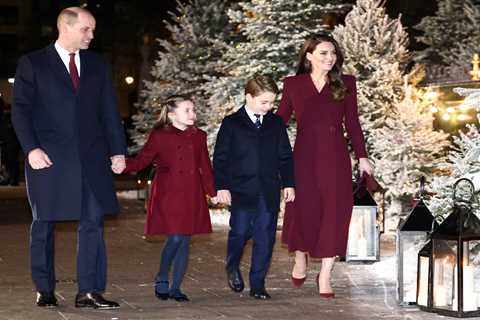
251, 115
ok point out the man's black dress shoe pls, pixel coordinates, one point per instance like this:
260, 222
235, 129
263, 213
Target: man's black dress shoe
94, 300
179, 296
46, 299
235, 281
261, 294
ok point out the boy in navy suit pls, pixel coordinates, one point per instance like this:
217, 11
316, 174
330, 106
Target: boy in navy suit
252, 161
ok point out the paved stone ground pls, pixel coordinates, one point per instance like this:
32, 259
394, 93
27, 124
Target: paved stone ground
364, 291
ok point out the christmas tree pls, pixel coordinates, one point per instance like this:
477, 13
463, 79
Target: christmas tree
184, 61
452, 37
463, 162
404, 149
270, 36
375, 52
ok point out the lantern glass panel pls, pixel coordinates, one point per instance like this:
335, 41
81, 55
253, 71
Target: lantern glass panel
362, 232
444, 260
423, 266
410, 243
471, 277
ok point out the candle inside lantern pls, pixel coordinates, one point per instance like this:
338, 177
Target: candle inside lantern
362, 247
362, 241
469, 296
440, 290
423, 282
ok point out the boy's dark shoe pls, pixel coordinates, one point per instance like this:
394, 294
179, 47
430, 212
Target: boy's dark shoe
260, 294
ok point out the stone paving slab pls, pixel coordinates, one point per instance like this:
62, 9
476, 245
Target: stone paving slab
364, 291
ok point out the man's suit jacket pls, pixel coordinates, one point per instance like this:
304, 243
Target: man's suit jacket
248, 161
79, 130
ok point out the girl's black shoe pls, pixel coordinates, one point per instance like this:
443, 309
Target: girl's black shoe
178, 296
161, 290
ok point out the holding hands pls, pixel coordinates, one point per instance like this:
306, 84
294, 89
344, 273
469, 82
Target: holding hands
289, 194
224, 197
118, 163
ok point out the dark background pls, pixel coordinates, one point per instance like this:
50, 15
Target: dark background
125, 30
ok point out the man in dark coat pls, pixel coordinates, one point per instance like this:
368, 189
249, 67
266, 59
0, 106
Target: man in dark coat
66, 119
252, 162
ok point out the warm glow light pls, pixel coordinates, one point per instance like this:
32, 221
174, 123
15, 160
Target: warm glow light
450, 109
463, 117
139, 181
149, 182
464, 107
129, 80
433, 109
446, 116
430, 95
11, 80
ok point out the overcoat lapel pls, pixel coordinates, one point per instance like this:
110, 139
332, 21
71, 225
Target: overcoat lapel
56, 64
84, 70
243, 115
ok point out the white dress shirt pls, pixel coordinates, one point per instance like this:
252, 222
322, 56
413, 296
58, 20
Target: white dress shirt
65, 56
251, 115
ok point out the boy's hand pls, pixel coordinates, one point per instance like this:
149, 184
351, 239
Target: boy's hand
289, 194
224, 196
214, 200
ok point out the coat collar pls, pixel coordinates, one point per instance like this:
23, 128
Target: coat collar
188, 132
243, 115
56, 64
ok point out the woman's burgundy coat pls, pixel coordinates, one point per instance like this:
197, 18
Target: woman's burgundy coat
183, 177
317, 221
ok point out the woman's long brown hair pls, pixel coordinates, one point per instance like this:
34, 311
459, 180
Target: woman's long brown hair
339, 90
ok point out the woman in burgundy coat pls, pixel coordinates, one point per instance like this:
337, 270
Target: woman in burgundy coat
177, 205
324, 102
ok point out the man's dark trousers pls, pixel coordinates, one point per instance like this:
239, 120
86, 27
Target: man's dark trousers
91, 253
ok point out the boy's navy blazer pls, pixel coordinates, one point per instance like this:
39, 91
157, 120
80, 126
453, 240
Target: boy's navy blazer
248, 161
79, 130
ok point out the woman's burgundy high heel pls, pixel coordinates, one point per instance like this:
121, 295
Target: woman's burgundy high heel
327, 295
298, 282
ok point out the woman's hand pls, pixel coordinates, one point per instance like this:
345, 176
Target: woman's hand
365, 166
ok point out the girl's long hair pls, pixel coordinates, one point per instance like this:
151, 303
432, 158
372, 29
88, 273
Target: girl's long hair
169, 105
339, 90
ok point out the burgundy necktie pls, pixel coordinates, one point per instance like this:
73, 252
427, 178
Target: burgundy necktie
72, 68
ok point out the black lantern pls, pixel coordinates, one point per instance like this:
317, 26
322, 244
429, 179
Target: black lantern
448, 266
364, 233
412, 234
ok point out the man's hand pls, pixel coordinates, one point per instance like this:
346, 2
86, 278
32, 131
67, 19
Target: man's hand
118, 163
38, 159
289, 194
224, 196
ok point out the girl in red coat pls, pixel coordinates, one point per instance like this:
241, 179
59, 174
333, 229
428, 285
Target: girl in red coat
177, 205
